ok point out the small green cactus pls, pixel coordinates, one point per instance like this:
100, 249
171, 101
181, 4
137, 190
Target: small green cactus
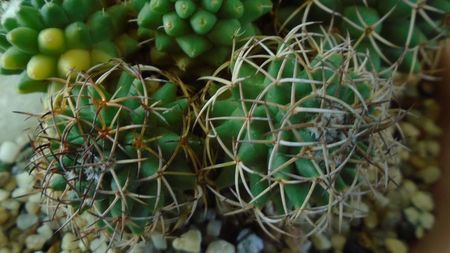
297, 128
45, 39
117, 143
204, 30
399, 32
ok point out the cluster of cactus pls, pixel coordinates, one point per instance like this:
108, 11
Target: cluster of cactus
45, 39
205, 30
297, 128
394, 32
116, 142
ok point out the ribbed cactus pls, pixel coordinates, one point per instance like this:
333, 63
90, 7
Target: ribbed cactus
396, 32
297, 129
116, 142
44, 39
200, 29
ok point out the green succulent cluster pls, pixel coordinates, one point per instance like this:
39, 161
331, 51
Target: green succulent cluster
394, 32
296, 129
117, 143
44, 39
200, 29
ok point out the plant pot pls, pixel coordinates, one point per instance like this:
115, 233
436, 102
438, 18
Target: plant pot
438, 240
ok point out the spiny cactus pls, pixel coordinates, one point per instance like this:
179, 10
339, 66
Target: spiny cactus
297, 129
200, 29
117, 144
44, 39
392, 31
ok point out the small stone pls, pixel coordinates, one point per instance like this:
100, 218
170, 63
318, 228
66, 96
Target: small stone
321, 242
4, 195
25, 180
21, 194
10, 185
32, 207
22, 140
69, 242
25, 221
9, 152
410, 187
412, 215
189, 241
396, 246
426, 220
3, 239
249, 242
338, 242
159, 241
431, 128
4, 178
220, 246
12, 205
4, 215
429, 175
213, 228
98, 245
35, 242
45, 231
423, 201
5, 250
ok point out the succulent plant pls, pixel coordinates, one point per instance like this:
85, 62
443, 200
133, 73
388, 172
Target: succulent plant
399, 32
299, 131
200, 29
44, 39
116, 142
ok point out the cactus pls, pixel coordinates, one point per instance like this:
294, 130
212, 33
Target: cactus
116, 143
399, 32
45, 39
203, 30
296, 131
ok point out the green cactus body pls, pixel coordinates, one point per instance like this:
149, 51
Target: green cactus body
53, 29
109, 154
375, 26
295, 140
192, 28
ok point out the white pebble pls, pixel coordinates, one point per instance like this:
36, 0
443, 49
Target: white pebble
220, 246
423, 201
22, 140
32, 207
45, 231
12, 205
21, 194
4, 195
69, 242
396, 246
25, 180
213, 228
410, 130
35, 242
25, 221
98, 245
426, 220
321, 242
159, 241
189, 241
9, 152
249, 243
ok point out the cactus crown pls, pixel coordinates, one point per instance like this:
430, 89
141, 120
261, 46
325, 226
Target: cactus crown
126, 157
299, 126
